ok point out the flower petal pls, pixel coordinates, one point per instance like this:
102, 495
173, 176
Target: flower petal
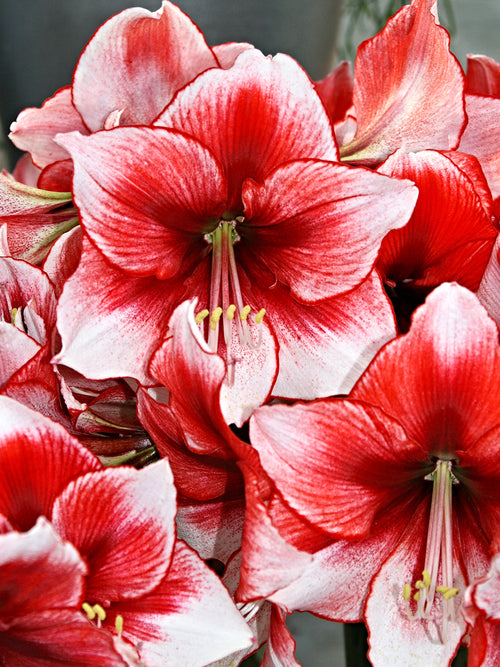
408, 88
135, 62
129, 552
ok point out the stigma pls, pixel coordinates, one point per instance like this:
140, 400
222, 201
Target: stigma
436, 585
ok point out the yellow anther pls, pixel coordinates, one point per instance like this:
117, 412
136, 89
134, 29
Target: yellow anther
260, 315
230, 312
119, 624
13, 314
244, 313
442, 589
215, 317
201, 316
420, 584
416, 596
100, 613
406, 592
427, 578
450, 593
88, 610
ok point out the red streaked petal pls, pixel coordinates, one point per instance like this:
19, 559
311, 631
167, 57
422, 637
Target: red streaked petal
322, 238
39, 572
37, 460
337, 463
189, 619
325, 346
280, 646
135, 62
145, 208
408, 89
110, 323
336, 91
270, 114
440, 379
450, 234
488, 292
35, 129
483, 76
122, 522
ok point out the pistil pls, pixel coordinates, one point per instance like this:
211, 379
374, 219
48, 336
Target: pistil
438, 553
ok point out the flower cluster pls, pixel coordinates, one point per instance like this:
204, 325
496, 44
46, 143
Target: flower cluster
250, 352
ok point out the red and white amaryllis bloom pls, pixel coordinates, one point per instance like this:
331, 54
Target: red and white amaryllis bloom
242, 206
402, 477
149, 590
408, 90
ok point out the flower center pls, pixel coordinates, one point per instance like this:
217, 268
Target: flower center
226, 301
438, 553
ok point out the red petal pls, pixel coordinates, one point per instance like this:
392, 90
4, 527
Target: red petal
280, 646
307, 450
450, 234
188, 620
408, 89
37, 460
271, 114
324, 347
440, 379
35, 129
336, 91
135, 62
143, 209
322, 238
122, 522
483, 76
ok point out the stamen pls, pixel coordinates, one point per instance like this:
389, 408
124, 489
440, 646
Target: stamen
119, 624
244, 313
13, 315
101, 614
230, 312
215, 317
260, 316
201, 316
88, 610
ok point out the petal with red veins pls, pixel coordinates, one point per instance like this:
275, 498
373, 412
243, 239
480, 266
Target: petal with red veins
324, 456
63, 257
408, 89
450, 234
280, 646
440, 379
145, 208
17, 349
39, 572
122, 522
135, 62
483, 76
111, 323
322, 238
37, 460
226, 54
269, 562
482, 135
336, 91
189, 619
324, 347
269, 112
35, 129
393, 637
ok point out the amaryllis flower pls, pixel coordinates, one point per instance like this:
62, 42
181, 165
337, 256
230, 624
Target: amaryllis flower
402, 477
408, 89
143, 585
42, 579
243, 207
110, 89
